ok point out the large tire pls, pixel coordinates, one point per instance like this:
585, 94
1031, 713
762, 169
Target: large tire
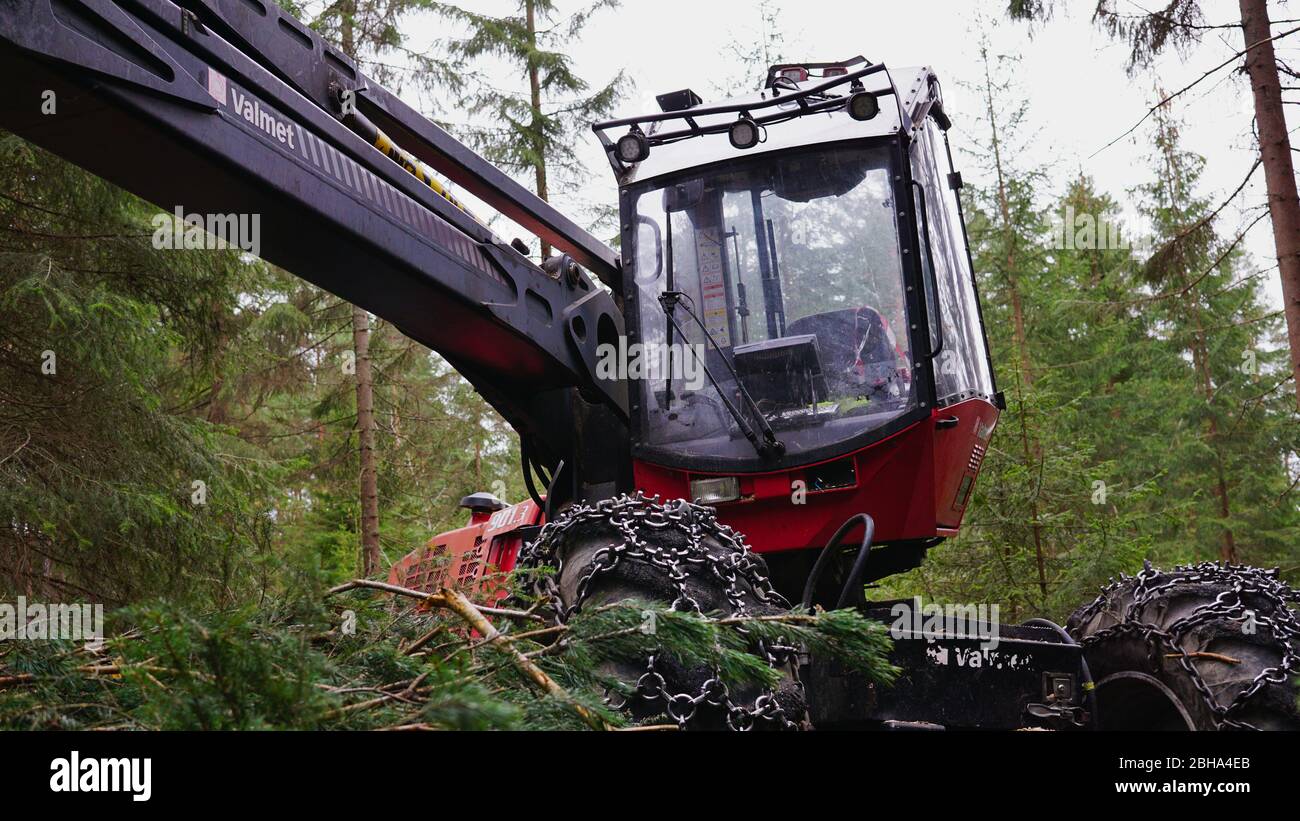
1209, 647
677, 553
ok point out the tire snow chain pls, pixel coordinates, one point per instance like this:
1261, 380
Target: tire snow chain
636, 518
1229, 605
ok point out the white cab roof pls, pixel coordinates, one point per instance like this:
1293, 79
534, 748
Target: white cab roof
913, 85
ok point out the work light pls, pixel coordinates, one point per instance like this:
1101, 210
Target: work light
743, 133
632, 146
863, 105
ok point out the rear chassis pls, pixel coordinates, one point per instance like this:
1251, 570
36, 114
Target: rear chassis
1032, 679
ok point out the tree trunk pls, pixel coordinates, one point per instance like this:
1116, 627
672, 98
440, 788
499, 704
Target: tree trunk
1008, 231
1201, 360
366, 439
1279, 174
537, 126
1024, 377
370, 555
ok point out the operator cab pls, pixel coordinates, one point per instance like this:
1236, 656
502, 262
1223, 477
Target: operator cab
791, 264
796, 278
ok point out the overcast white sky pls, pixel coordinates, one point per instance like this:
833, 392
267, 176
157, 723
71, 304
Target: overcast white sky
1073, 77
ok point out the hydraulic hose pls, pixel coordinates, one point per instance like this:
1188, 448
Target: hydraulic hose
526, 460
859, 563
853, 584
371, 133
549, 508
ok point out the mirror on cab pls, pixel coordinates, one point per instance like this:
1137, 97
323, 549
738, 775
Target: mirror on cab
682, 195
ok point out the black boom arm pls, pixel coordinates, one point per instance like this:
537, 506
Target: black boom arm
234, 107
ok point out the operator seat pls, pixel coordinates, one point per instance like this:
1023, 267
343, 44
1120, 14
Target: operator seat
858, 356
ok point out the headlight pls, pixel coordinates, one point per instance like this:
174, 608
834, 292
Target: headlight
715, 491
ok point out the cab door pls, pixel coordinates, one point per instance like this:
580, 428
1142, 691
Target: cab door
965, 406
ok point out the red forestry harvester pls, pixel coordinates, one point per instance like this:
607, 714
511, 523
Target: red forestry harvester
788, 345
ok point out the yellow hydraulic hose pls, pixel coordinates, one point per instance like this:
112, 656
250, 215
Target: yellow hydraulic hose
362, 125
418, 169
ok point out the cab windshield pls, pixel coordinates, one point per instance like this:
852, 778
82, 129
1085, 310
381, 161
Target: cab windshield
787, 284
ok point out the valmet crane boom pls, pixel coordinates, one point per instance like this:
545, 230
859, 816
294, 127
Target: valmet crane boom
232, 106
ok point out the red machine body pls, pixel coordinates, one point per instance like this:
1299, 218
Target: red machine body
915, 484
472, 557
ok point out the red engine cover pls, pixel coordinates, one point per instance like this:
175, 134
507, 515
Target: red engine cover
466, 558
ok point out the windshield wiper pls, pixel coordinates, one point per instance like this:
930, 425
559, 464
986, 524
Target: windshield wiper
769, 446
670, 284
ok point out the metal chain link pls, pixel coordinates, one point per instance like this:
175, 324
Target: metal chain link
640, 523
1229, 605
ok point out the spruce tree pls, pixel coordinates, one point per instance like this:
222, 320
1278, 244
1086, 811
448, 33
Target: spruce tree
1181, 23
529, 129
1210, 301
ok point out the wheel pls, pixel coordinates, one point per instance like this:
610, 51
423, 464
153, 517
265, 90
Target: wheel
1208, 647
632, 547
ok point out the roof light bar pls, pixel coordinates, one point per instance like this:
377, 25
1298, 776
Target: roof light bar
774, 109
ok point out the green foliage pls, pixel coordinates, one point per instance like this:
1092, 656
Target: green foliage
1134, 427
634, 630
530, 129
1029, 9
104, 338
171, 367
225, 672
1147, 32
376, 34
1236, 428
295, 668
1145, 418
